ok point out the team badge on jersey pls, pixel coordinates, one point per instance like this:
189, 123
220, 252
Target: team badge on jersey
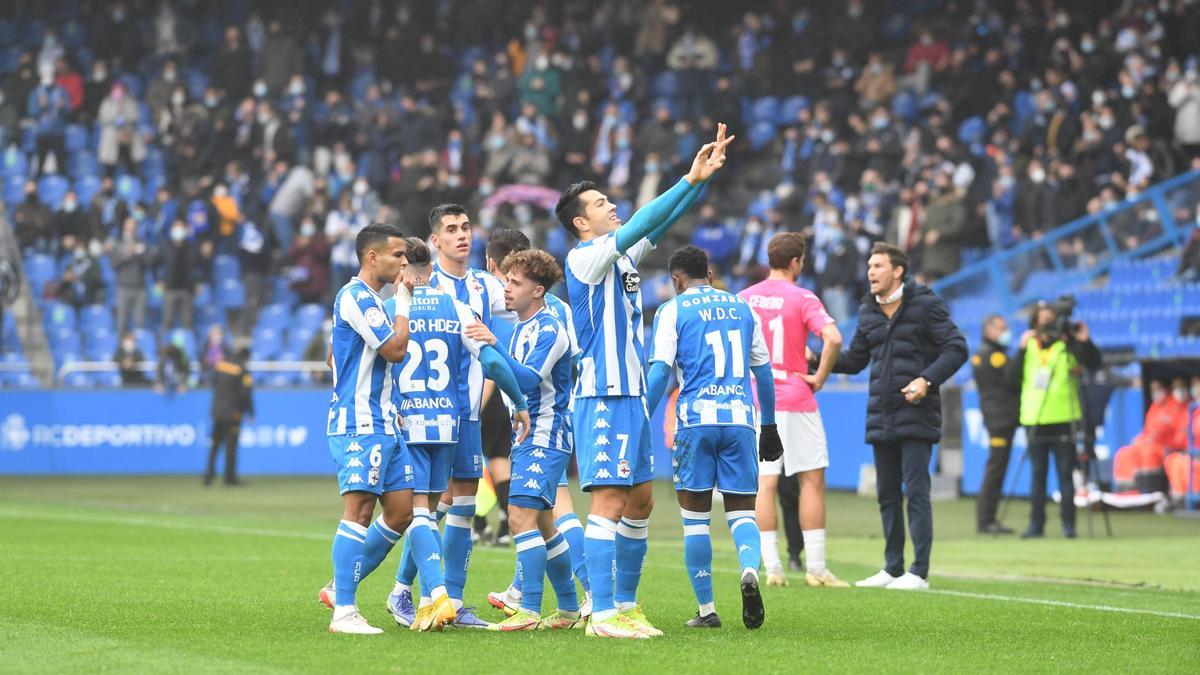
622, 469
374, 317
373, 476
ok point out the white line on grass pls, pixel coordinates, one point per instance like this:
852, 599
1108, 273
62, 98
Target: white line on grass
313, 536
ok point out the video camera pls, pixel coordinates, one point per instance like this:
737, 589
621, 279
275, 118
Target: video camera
1061, 325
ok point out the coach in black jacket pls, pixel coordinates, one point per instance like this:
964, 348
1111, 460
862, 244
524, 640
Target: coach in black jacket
906, 335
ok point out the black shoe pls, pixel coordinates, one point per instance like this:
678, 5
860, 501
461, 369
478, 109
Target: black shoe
1069, 531
710, 621
235, 483
753, 613
1032, 533
794, 564
994, 528
208, 480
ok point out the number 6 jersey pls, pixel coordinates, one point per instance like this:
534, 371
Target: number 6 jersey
712, 338
432, 382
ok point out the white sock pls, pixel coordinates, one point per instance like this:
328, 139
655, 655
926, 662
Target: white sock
342, 611
814, 550
568, 614
400, 588
625, 606
708, 608
770, 549
458, 604
425, 601
751, 571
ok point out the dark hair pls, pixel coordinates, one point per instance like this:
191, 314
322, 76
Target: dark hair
783, 247
417, 252
539, 266
570, 207
690, 260
442, 210
372, 236
241, 356
896, 256
991, 319
503, 242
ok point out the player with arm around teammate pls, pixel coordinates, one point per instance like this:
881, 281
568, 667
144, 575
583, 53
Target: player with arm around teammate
713, 340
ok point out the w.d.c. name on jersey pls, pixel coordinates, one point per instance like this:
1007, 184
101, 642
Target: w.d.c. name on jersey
432, 387
362, 386
713, 339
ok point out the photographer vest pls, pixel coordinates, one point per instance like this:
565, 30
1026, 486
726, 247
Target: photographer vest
1048, 389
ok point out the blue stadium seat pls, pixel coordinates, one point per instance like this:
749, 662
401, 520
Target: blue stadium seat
147, 343
231, 294
790, 109
129, 188
274, 316
264, 351
76, 138
14, 189
761, 134
208, 314
13, 163
77, 380
264, 337
96, 317
107, 379
83, 165
101, 345
282, 379
188, 339
226, 267
298, 339
39, 269
59, 315
764, 109
311, 316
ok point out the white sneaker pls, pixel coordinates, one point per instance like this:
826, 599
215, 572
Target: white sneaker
353, 623
880, 579
909, 582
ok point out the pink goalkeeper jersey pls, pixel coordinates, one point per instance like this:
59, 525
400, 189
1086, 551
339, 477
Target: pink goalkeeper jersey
788, 314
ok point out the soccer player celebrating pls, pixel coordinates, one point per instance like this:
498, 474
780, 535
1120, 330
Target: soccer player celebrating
502, 243
616, 461
539, 352
372, 460
434, 402
788, 315
714, 341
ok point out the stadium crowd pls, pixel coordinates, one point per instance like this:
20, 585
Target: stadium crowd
148, 142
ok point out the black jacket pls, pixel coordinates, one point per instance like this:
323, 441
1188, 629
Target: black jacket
999, 395
919, 341
232, 393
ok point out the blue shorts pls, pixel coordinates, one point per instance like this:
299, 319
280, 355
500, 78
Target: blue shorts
431, 466
532, 484
562, 482
374, 463
724, 457
467, 463
615, 449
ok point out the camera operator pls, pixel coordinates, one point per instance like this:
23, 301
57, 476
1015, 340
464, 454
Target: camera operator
1051, 355
999, 401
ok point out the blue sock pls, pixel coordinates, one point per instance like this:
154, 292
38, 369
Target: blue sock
426, 551
558, 568
516, 582
380, 540
744, 528
600, 548
347, 561
531, 569
407, 572
456, 545
631, 554
697, 555
570, 527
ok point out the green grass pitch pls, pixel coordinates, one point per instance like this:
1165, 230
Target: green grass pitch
159, 574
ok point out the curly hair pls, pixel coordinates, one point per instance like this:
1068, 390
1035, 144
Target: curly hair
538, 266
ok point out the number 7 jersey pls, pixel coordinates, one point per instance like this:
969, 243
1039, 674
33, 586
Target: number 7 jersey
432, 383
713, 339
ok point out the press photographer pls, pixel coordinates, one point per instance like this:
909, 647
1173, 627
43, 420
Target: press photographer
1052, 354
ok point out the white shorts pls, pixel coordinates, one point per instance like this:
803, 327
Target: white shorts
804, 446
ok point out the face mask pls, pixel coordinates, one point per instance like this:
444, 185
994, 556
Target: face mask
168, 76
496, 142
579, 121
178, 98
486, 189
827, 136
80, 254
1127, 91
210, 101
1037, 175
1005, 338
651, 167
96, 249
1088, 46
541, 63
1106, 122
1180, 394
1196, 392
260, 89
128, 345
879, 122
308, 230
622, 143
360, 188
296, 88
1157, 395
69, 205
178, 234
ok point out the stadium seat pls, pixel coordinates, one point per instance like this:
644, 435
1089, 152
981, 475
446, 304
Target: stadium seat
59, 315
790, 109
107, 379
96, 317
13, 163
274, 316
761, 134
188, 339
76, 138
146, 342
101, 345
39, 269
311, 316
665, 84
77, 380
83, 165
14, 189
231, 294
765, 109
129, 188
226, 267
298, 339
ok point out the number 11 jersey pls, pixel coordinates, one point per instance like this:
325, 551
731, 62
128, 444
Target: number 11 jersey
788, 314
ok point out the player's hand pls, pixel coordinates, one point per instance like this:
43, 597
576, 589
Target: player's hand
770, 447
916, 390
521, 425
813, 382
480, 333
710, 158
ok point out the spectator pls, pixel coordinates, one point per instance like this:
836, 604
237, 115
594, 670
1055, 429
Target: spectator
127, 358
309, 255
944, 225
654, 28
657, 136
342, 225
179, 278
71, 82
1185, 98
289, 202
131, 259
174, 371
158, 94
1189, 260
877, 84
254, 251
72, 222
121, 144
541, 85
716, 238
1034, 204
1139, 465
48, 107
842, 268
231, 70
213, 351
33, 222
530, 162
81, 284
8, 115
281, 58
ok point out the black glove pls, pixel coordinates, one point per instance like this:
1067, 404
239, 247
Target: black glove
770, 448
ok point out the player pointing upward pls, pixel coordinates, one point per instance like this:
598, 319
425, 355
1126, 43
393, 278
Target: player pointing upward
616, 461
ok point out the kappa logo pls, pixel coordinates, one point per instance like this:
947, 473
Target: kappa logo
602, 440
549, 329
355, 478
603, 473
538, 453
532, 484
535, 468
354, 463
743, 548
362, 295
600, 407
602, 423
701, 574
603, 457
433, 556
373, 476
354, 447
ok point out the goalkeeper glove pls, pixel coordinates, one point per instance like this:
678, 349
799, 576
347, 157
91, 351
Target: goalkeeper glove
770, 447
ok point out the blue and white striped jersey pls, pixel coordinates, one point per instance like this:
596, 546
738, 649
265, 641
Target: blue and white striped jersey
503, 330
362, 386
431, 385
543, 345
484, 294
605, 292
712, 338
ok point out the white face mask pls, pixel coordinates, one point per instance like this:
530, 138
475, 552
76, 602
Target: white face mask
308, 230
1196, 392
1157, 395
1180, 394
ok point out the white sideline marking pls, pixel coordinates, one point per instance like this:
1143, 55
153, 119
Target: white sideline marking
313, 536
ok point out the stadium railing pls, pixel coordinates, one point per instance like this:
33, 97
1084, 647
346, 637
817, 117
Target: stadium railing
1036, 269
150, 367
